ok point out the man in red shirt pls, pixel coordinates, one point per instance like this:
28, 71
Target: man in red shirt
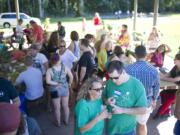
37, 32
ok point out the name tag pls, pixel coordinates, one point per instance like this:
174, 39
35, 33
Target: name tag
117, 93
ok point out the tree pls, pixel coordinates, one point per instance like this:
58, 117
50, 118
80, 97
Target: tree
66, 7
9, 5
81, 7
41, 4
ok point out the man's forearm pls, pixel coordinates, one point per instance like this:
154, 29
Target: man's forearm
135, 111
168, 79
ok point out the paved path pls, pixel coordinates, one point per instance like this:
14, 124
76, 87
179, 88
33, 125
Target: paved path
163, 126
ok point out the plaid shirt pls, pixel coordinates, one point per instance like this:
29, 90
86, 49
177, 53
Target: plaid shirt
149, 77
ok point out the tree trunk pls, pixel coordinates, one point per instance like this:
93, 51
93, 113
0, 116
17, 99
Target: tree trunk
66, 7
41, 10
9, 5
80, 8
81, 4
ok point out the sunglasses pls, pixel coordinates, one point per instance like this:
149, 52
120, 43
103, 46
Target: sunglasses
114, 78
97, 89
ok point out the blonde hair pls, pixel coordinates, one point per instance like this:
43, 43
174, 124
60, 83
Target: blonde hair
83, 93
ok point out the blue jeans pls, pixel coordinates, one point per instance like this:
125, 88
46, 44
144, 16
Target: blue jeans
177, 128
130, 133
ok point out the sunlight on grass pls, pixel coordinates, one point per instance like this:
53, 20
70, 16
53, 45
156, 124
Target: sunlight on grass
168, 25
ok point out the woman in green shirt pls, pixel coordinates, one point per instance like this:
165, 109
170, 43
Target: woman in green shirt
89, 110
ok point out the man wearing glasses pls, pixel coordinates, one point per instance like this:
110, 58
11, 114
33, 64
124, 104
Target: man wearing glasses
125, 97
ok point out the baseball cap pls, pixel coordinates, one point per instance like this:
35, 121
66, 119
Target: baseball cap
9, 117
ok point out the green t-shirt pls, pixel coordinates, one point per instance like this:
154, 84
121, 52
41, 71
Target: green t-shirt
85, 111
129, 94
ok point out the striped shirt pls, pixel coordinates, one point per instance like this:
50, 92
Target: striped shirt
149, 77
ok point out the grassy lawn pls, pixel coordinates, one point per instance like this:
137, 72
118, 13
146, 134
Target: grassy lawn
168, 26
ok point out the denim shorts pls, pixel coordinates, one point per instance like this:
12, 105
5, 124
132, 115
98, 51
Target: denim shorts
59, 91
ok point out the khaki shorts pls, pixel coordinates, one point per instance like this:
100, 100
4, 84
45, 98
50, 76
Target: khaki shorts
142, 119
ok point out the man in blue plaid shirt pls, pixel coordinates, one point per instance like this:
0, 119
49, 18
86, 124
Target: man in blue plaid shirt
149, 77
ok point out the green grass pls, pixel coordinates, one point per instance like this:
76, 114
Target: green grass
169, 26
68, 19
65, 19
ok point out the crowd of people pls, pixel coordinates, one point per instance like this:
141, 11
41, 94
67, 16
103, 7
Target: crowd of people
98, 77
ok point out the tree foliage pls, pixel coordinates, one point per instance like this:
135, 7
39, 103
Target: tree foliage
43, 8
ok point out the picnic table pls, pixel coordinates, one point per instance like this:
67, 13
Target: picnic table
168, 85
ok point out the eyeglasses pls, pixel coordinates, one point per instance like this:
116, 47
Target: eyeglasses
114, 78
97, 89
61, 46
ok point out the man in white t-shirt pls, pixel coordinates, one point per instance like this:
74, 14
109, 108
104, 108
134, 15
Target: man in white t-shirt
20, 33
39, 60
19, 28
32, 78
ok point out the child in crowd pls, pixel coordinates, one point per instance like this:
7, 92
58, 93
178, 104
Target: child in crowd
153, 39
124, 38
157, 58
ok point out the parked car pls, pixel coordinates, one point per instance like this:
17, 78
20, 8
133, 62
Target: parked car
8, 20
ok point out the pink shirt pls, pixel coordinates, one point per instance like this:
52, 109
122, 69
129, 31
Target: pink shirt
158, 59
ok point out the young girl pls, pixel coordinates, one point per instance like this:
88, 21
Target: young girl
153, 39
157, 58
124, 38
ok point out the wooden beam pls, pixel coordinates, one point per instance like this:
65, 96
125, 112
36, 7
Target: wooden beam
17, 9
156, 7
135, 14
